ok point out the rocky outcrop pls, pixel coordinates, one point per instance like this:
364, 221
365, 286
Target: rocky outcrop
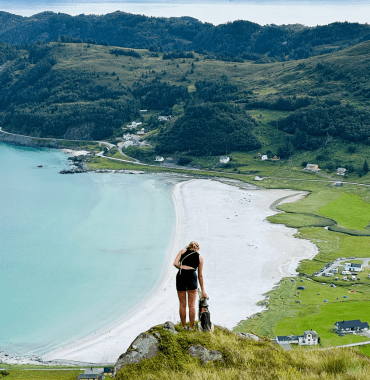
204, 354
248, 336
145, 346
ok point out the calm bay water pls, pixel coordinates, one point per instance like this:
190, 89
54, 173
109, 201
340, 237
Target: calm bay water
76, 251
306, 12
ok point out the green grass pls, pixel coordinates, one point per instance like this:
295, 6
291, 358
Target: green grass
331, 245
364, 349
243, 359
349, 211
25, 374
297, 220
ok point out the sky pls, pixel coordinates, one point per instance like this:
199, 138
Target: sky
306, 12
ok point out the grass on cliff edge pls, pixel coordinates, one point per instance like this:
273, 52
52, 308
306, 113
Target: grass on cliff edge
243, 359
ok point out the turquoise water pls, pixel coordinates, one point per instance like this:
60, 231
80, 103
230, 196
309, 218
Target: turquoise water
76, 251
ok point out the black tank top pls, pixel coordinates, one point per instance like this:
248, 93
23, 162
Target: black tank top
192, 260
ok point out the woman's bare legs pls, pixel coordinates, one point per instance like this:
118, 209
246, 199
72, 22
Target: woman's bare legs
182, 299
192, 296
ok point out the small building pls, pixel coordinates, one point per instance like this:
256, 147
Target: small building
143, 111
134, 124
341, 171
258, 178
350, 327
141, 132
159, 159
128, 136
312, 167
275, 158
92, 374
308, 338
164, 118
353, 267
264, 157
126, 144
224, 159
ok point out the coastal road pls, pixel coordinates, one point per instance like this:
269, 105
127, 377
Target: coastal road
348, 345
137, 162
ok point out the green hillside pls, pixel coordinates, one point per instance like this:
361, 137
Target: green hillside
303, 111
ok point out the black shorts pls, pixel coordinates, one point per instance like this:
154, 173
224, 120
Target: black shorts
187, 280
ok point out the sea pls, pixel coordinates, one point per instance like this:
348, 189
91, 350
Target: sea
279, 12
76, 251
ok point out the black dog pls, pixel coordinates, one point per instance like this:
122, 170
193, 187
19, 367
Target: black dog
204, 315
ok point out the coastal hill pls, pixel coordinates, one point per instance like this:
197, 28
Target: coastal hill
83, 91
239, 40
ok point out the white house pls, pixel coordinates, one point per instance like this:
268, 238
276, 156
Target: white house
128, 136
341, 171
134, 124
312, 167
126, 144
164, 118
224, 159
308, 338
258, 178
159, 158
264, 157
141, 132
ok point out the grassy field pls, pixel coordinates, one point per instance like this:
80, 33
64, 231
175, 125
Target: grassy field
41, 374
349, 211
314, 313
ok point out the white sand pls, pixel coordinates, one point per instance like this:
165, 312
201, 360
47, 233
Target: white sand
244, 257
74, 153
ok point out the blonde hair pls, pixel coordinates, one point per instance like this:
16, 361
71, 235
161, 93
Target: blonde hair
193, 246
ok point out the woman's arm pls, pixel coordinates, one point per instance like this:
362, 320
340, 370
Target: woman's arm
204, 295
177, 260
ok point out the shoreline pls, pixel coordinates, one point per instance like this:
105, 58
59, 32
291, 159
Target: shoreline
161, 303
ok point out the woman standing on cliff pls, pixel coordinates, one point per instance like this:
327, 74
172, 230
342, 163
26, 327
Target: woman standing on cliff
187, 261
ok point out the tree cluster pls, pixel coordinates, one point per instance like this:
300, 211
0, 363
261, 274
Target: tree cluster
129, 53
209, 129
219, 90
159, 95
312, 126
178, 54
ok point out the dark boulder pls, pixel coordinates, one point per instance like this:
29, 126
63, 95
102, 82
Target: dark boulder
145, 346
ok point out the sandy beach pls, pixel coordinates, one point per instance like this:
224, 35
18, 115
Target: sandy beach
244, 257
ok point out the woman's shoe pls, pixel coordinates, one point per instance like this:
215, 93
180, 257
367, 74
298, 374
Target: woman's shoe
185, 328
